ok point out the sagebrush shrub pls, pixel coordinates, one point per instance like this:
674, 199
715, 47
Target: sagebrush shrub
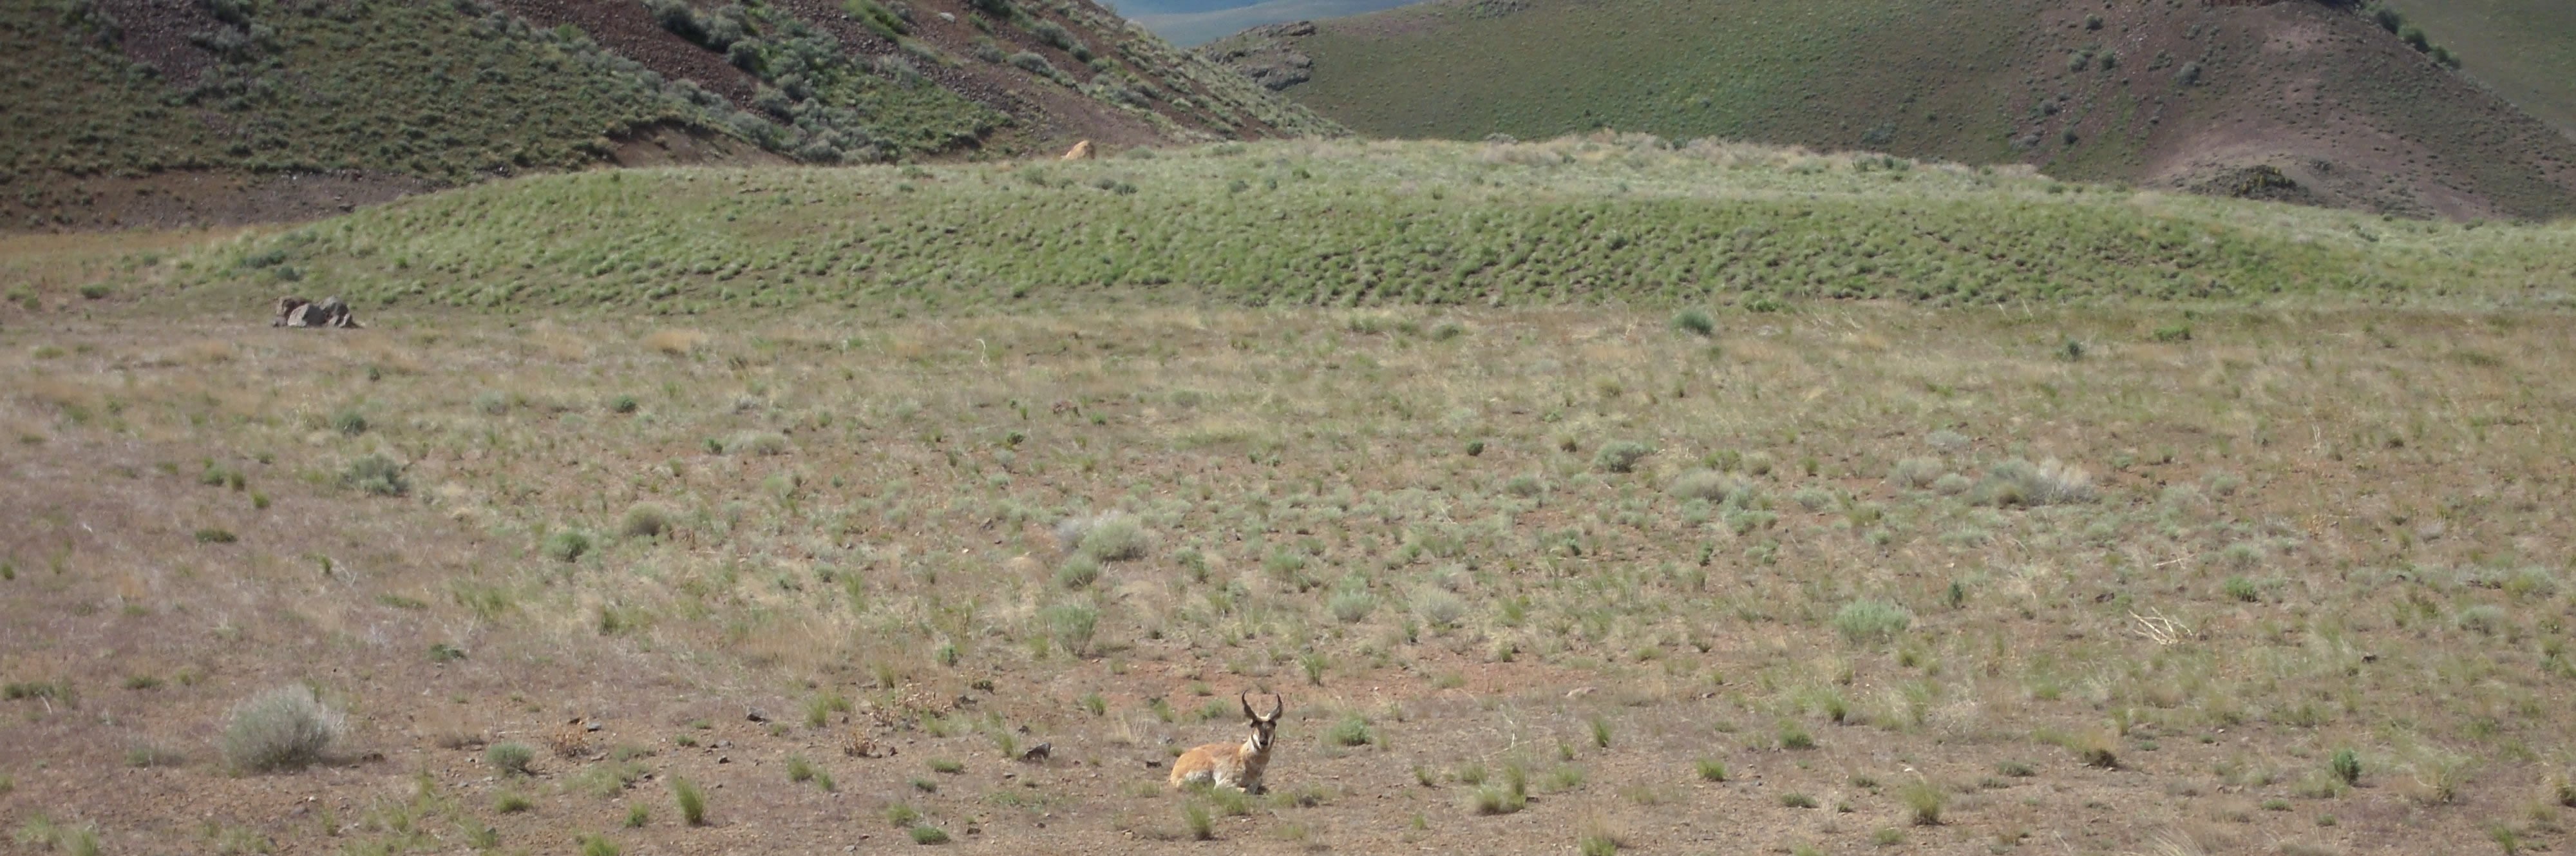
1117, 538
375, 474
1872, 620
1695, 322
1709, 485
645, 520
1621, 456
511, 758
283, 728
566, 546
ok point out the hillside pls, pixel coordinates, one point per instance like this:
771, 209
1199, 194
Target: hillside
1594, 221
138, 113
2520, 48
1596, 495
2295, 100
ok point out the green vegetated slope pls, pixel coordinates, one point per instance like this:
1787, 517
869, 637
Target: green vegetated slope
1567, 222
109, 95
418, 89
2185, 95
2524, 49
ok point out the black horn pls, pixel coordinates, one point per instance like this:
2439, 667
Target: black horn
1278, 705
1246, 698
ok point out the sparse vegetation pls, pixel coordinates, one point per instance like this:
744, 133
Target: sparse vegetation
913, 513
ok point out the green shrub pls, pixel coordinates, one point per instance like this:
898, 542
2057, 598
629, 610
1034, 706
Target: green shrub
2240, 588
1709, 485
645, 520
1711, 769
349, 422
928, 835
567, 545
511, 758
1923, 802
2022, 483
598, 845
1118, 538
1695, 322
512, 802
1201, 827
2173, 333
1034, 64
1352, 605
1496, 800
1915, 473
1352, 730
216, 535
1077, 572
1797, 800
1872, 620
1071, 625
376, 475
1621, 456
624, 404
283, 728
693, 801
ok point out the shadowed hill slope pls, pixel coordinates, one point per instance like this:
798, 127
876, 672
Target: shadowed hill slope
2525, 50
2296, 100
137, 113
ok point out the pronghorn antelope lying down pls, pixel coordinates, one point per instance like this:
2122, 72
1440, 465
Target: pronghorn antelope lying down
299, 312
1233, 765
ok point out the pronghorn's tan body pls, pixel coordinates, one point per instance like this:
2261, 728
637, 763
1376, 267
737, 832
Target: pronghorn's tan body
1232, 765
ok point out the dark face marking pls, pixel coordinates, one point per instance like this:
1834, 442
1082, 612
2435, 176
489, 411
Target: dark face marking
1263, 727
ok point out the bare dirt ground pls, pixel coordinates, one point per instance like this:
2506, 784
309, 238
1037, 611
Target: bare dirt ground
1829, 605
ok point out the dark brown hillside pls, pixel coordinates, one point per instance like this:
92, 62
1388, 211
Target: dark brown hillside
2297, 100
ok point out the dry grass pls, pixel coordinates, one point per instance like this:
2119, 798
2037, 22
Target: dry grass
1296, 511
677, 343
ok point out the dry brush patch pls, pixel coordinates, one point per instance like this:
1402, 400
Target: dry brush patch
956, 539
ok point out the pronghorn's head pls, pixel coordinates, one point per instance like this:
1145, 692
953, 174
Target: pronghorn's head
1263, 727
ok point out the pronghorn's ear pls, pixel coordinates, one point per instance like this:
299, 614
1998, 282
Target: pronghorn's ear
1246, 698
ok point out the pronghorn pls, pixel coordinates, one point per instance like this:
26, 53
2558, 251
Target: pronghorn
1233, 765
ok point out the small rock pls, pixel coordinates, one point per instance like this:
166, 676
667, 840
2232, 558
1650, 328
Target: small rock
1578, 692
1038, 752
755, 715
724, 759
590, 726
